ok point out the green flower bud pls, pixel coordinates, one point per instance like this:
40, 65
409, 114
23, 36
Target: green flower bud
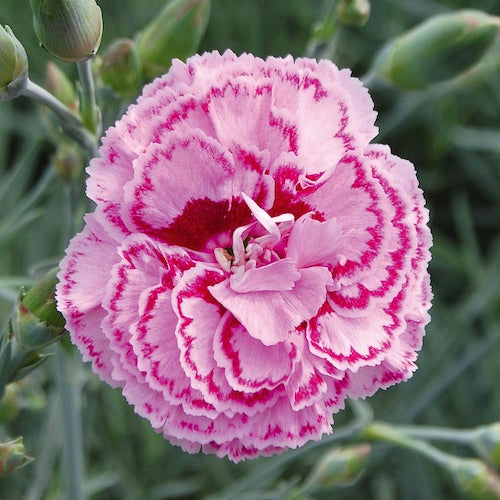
353, 12
488, 443
34, 324
9, 404
68, 29
12, 456
39, 323
437, 50
60, 86
475, 479
121, 67
339, 467
13, 65
20, 395
175, 32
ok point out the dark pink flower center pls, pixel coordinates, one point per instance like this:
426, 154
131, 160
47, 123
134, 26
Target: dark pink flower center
258, 253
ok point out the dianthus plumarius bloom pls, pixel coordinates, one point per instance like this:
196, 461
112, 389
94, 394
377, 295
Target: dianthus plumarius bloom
253, 260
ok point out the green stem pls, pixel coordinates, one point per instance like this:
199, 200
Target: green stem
69, 122
461, 436
473, 476
324, 31
88, 104
369, 79
71, 432
378, 431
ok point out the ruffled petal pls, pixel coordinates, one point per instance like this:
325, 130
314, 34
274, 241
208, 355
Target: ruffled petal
144, 264
280, 275
188, 180
361, 113
307, 383
351, 342
305, 98
352, 197
312, 242
199, 317
83, 278
249, 364
158, 356
279, 311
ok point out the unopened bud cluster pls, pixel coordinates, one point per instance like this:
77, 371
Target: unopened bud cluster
175, 32
71, 30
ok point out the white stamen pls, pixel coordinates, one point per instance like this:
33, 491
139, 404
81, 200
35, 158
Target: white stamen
254, 251
261, 215
267, 222
223, 258
246, 256
238, 245
238, 271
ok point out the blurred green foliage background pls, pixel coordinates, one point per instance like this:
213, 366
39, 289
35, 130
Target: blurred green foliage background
452, 135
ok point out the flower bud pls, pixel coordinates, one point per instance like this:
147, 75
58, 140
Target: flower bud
68, 29
437, 50
20, 395
34, 324
175, 32
353, 12
488, 443
60, 86
9, 404
475, 479
121, 67
13, 65
12, 456
38, 323
339, 467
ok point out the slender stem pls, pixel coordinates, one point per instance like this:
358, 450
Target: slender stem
382, 432
369, 79
71, 420
46, 98
88, 104
324, 31
70, 123
462, 436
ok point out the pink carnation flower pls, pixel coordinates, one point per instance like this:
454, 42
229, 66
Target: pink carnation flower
253, 260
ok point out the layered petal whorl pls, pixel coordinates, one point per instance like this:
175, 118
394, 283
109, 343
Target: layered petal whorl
253, 260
